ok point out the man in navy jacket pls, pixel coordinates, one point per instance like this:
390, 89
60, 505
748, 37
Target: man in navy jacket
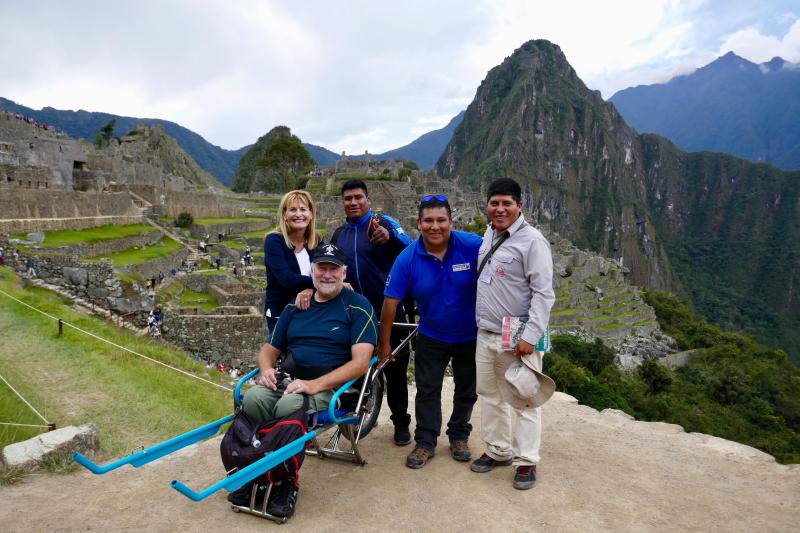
372, 242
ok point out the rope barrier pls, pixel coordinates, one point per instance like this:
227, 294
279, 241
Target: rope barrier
23, 425
156, 361
25, 401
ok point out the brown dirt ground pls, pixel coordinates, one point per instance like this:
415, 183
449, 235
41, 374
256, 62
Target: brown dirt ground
599, 471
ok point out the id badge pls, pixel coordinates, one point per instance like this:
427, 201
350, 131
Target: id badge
486, 275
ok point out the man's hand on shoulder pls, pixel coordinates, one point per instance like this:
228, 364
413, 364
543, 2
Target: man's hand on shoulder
303, 299
300, 386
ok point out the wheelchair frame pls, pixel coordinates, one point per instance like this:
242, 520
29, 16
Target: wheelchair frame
349, 424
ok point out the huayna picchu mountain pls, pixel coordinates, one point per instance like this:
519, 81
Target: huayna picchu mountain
721, 230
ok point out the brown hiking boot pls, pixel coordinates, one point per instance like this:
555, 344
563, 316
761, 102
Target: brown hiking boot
418, 457
459, 450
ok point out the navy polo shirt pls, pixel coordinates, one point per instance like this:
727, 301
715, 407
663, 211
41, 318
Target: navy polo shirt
443, 289
324, 334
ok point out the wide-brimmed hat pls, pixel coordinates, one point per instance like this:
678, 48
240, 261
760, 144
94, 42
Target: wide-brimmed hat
527, 386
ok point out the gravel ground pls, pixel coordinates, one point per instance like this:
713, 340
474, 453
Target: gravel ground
599, 471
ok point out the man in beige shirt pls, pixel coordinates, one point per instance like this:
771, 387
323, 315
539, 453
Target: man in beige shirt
516, 280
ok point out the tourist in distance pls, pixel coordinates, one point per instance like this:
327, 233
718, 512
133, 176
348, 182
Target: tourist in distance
330, 343
286, 255
516, 280
439, 271
372, 242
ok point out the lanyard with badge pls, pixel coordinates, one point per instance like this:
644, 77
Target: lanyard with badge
486, 276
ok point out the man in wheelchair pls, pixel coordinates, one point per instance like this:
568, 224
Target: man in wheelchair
323, 347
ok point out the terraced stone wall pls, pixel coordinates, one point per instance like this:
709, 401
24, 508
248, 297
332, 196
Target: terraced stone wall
94, 282
594, 300
231, 335
199, 231
106, 247
162, 264
24, 210
238, 295
199, 204
201, 282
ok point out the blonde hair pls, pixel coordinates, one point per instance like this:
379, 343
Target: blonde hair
287, 200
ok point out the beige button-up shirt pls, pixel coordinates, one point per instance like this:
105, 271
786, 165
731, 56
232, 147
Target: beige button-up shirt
517, 280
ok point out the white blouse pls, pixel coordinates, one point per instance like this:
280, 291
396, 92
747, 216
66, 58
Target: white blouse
304, 261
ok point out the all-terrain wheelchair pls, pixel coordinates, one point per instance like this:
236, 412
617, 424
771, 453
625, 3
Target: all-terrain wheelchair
352, 414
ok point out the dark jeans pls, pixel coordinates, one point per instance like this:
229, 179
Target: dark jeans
397, 382
430, 363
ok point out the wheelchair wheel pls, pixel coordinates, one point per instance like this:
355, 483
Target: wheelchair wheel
372, 407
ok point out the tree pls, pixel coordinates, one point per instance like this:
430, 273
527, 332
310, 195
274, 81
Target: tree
184, 220
103, 137
286, 157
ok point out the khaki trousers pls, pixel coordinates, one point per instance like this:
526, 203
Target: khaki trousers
509, 433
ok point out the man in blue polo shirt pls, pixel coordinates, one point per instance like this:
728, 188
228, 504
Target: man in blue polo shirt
439, 270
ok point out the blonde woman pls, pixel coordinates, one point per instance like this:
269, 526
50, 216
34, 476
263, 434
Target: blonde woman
287, 255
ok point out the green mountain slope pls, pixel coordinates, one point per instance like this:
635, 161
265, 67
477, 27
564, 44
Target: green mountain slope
592, 178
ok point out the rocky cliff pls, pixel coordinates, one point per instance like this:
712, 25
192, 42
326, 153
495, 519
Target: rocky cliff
721, 230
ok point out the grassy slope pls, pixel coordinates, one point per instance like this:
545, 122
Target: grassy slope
101, 233
75, 379
134, 256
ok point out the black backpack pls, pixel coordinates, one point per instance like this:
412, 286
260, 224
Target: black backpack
247, 441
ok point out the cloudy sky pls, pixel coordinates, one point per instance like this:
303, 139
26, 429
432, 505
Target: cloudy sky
351, 75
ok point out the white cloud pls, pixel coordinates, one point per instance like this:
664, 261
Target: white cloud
349, 76
751, 44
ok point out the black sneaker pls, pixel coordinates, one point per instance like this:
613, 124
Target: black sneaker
459, 450
525, 477
485, 463
418, 457
241, 496
285, 499
402, 436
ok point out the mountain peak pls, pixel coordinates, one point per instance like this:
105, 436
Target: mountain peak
776, 63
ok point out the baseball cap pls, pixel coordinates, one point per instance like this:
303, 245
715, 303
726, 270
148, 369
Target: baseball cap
329, 253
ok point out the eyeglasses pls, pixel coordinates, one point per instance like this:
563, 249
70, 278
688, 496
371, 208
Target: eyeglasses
432, 197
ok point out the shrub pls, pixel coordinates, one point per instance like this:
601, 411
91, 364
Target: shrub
593, 357
569, 377
184, 220
657, 378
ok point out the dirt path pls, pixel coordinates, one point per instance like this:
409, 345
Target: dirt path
599, 471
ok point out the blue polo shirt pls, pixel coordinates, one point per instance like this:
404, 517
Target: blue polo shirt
443, 289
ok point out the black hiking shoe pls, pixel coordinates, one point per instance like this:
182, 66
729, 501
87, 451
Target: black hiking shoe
402, 436
285, 499
525, 477
485, 463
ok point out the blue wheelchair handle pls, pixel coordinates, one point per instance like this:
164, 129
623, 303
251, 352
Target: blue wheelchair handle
248, 473
335, 398
154, 452
237, 391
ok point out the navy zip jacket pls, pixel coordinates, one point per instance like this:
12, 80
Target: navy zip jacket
369, 264
284, 280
